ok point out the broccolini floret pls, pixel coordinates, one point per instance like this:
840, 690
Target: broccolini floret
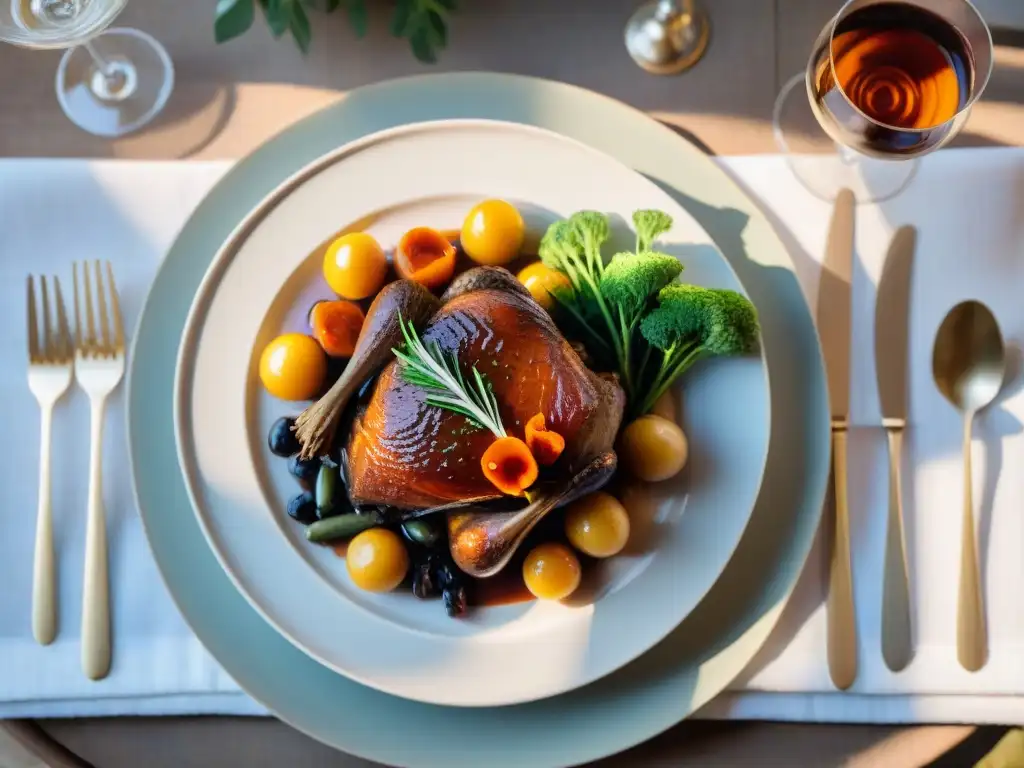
648, 225
590, 230
631, 279
692, 322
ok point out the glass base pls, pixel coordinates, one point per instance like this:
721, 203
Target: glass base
116, 83
825, 167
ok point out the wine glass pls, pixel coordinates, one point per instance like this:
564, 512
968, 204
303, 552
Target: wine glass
108, 83
887, 81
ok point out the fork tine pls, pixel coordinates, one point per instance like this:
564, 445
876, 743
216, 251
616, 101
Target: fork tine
33, 329
48, 350
64, 334
115, 311
90, 323
101, 303
78, 313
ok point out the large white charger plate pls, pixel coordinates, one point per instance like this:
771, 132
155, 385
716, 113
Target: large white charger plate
259, 285
668, 683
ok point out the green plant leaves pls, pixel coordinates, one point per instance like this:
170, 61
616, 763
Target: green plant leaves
300, 27
358, 17
232, 18
423, 23
279, 15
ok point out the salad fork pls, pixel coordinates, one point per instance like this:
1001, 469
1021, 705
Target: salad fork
99, 366
50, 360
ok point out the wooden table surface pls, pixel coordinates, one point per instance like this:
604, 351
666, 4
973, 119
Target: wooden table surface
230, 98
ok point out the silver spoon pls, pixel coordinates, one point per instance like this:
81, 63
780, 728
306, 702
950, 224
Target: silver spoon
969, 363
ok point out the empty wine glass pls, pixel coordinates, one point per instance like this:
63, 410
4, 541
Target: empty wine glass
108, 83
887, 81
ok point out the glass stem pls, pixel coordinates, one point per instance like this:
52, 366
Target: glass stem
101, 64
846, 155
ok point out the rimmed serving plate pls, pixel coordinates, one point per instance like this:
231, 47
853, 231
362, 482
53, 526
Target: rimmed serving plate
262, 283
670, 682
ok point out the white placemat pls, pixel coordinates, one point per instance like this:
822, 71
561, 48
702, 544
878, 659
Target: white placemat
965, 204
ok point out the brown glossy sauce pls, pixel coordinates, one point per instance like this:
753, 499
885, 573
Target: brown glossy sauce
503, 589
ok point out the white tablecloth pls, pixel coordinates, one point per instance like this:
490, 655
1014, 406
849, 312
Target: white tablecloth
965, 205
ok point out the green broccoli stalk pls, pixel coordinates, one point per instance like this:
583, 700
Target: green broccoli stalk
590, 230
573, 246
692, 323
608, 302
629, 282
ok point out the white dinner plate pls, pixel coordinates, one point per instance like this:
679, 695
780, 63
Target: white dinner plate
262, 282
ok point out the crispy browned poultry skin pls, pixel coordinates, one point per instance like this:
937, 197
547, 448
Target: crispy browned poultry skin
406, 454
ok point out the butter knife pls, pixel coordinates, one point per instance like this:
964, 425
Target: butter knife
833, 315
892, 312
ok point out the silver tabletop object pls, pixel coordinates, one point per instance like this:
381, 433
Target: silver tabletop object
668, 36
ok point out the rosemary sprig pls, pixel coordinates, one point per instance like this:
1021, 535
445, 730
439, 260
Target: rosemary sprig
426, 366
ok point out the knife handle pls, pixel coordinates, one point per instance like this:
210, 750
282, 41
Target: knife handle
842, 625
897, 648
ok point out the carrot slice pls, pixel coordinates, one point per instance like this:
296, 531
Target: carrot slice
509, 465
545, 445
426, 256
336, 325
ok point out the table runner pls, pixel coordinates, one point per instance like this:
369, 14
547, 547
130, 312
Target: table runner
964, 203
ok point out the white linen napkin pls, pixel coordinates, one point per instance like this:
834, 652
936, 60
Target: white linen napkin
53, 212
965, 204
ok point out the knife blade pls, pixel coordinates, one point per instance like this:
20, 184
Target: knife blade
892, 324
834, 328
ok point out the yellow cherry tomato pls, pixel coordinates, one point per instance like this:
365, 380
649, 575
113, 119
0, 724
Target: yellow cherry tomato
653, 448
541, 281
377, 560
492, 233
293, 367
355, 266
552, 571
597, 525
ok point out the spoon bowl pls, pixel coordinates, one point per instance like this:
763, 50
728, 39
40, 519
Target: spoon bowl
969, 359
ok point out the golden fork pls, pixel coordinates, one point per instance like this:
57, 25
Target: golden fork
50, 360
99, 366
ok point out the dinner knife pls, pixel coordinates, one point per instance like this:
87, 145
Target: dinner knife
834, 310
892, 314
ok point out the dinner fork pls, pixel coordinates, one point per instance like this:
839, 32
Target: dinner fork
50, 359
99, 366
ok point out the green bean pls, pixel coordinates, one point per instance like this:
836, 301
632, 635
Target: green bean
341, 527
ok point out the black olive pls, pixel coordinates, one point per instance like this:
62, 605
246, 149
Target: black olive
455, 601
442, 575
282, 439
423, 582
304, 470
303, 508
